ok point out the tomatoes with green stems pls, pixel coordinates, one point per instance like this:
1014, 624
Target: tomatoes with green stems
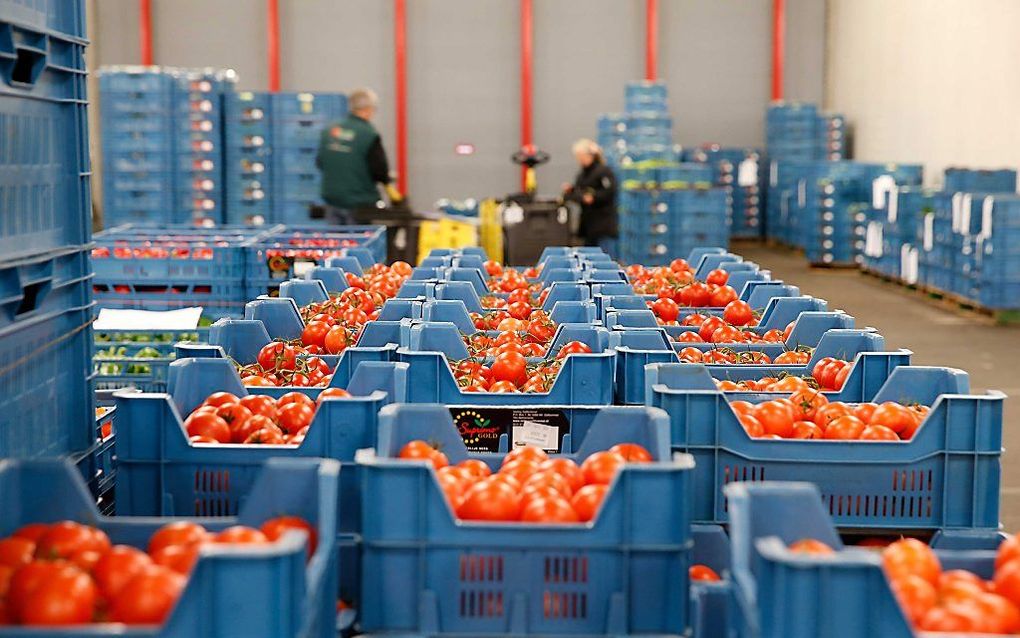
277, 356
846, 427
722, 296
510, 366
738, 313
666, 309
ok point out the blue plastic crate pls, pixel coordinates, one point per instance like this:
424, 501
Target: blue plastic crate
44, 164
848, 591
117, 364
273, 258
284, 596
947, 476
217, 299
46, 396
64, 17
621, 574
338, 430
180, 260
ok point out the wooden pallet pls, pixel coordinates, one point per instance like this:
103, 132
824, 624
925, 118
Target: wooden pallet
837, 265
950, 301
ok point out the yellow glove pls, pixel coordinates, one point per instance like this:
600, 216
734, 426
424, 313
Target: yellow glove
394, 195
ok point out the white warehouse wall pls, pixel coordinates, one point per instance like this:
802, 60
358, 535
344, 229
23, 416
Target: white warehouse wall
930, 81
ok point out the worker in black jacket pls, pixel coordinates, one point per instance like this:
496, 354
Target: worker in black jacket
595, 190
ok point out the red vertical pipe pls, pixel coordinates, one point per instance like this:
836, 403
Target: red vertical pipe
273, 43
651, 40
145, 30
778, 47
526, 77
400, 59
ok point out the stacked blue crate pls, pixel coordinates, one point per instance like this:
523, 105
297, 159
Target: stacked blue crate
739, 171
832, 137
298, 120
646, 96
248, 173
198, 142
891, 246
792, 131
995, 277
136, 117
46, 389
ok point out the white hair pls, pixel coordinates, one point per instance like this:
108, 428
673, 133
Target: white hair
362, 99
585, 145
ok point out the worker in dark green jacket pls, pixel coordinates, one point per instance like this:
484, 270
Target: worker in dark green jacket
353, 162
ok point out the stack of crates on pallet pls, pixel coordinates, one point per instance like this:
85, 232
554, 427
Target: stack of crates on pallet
792, 132
832, 137
993, 279
890, 243
298, 122
644, 132
137, 122
737, 170
247, 136
46, 393
198, 142
667, 210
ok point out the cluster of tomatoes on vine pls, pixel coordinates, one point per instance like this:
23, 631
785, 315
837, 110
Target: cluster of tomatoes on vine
67, 573
157, 250
255, 419
510, 371
828, 374
808, 414
715, 329
529, 486
676, 282
285, 364
729, 356
502, 279
935, 599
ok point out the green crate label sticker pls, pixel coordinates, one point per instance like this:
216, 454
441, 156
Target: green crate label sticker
481, 427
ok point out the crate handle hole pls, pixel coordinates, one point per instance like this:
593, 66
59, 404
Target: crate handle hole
28, 65
31, 297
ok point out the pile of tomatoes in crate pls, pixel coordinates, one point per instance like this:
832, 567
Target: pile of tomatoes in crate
282, 364
808, 414
712, 329
502, 279
690, 354
510, 370
517, 312
677, 283
255, 419
829, 374
157, 250
529, 487
955, 600
66, 573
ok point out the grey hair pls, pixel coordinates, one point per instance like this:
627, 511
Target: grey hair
587, 146
362, 99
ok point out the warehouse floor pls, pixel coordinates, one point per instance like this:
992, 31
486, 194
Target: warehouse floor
936, 335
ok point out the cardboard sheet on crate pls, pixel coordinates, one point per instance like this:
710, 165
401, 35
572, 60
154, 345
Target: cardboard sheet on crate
120, 319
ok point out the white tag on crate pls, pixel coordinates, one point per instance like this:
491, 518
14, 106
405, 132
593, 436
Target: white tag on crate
987, 207
908, 264
802, 193
546, 437
929, 232
145, 320
894, 201
773, 173
957, 201
873, 240
747, 173
966, 203
880, 188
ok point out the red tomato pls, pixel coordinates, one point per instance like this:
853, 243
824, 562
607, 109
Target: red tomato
179, 558
274, 528
806, 430
520, 469
207, 424
418, 450
632, 453
751, 425
338, 339
16, 551
702, 572
915, 595
260, 404
64, 539
894, 416
32, 531
810, 546
697, 295
1008, 550
240, 535
878, 433
573, 347
738, 313
566, 468
691, 355
477, 468
148, 598
266, 436
828, 413
315, 333
911, 556
549, 510
294, 416
234, 414
526, 453
775, 418
1007, 581
840, 379
294, 397
587, 501
510, 366
717, 277
548, 478
708, 328
846, 427
490, 500
277, 356
519, 310
722, 296
666, 309
117, 566
690, 337
179, 533
864, 411
64, 595
337, 393
601, 467
492, 268
806, 404
216, 399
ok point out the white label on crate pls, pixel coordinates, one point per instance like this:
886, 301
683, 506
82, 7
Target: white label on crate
929, 232
986, 216
513, 214
957, 200
908, 264
747, 173
531, 433
966, 203
873, 240
115, 319
880, 188
802, 193
773, 173
301, 267
894, 197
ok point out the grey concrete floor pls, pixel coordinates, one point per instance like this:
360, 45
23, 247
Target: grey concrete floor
936, 335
